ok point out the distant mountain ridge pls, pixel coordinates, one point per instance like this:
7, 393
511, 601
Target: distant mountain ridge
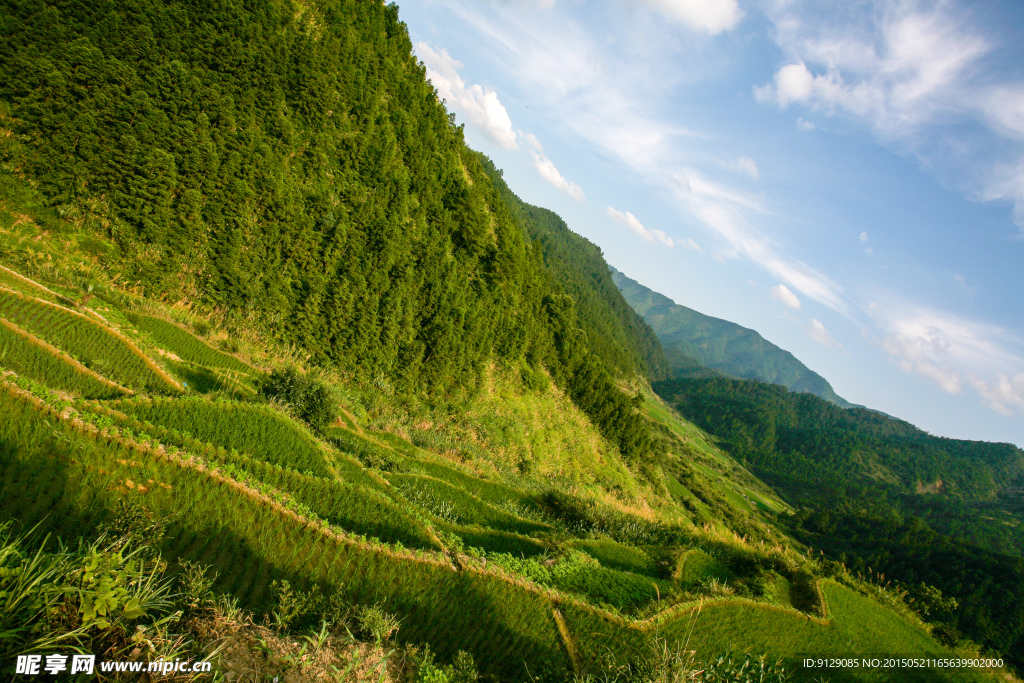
695, 343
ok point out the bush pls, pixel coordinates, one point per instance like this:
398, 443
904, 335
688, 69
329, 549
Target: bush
196, 594
461, 670
310, 399
294, 608
377, 624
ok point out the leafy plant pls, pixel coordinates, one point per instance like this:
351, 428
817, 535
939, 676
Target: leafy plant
196, 586
311, 399
377, 623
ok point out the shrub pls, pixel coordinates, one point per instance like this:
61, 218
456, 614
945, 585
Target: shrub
292, 607
310, 399
377, 624
196, 593
461, 670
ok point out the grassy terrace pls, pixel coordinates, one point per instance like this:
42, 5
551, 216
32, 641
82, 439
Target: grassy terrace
445, 528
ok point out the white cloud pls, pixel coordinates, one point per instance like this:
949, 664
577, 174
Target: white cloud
718, 208
1003, 394
711, 16
917, 72
820, 334
618, 102
1005, 182
804, 124
748, 166
630, 221
782, 293
955, 352
546, 168
899, 69
690, 244
480, 106
867, 248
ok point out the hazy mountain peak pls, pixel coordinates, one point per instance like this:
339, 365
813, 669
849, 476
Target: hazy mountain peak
695, 343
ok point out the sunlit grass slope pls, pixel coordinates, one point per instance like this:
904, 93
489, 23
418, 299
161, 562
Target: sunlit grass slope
508, 528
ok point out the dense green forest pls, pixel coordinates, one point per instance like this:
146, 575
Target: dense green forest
879, 493
290, 165
615, 332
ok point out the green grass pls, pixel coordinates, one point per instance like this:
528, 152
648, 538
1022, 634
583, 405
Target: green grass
32, 358
13, 280
578, 573
695, 566
357, 503
859, 627
187, 346
204, 380
493, 540
458, 505
258, 430
88, 341
734, 482
68, 480
404, 457
618, 556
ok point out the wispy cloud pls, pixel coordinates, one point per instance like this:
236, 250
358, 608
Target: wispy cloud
480, 106
747, 166
820, 334
912, 70
721, 210
955, 352
630, 221
782, 293
546, 168
711, 16
1003, 394
867, 247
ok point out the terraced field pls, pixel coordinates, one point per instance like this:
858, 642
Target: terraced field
187, 346
493, 566
96, 346
30, 356
254, 429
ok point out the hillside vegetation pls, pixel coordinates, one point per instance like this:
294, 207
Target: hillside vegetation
291, 167
880, 495
699, 345
289, 374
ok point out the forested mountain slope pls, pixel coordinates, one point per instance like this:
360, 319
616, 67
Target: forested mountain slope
289, 165
274, 340
693, 340
616, 333
879, 493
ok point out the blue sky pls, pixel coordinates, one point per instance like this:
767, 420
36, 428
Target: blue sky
846, 178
